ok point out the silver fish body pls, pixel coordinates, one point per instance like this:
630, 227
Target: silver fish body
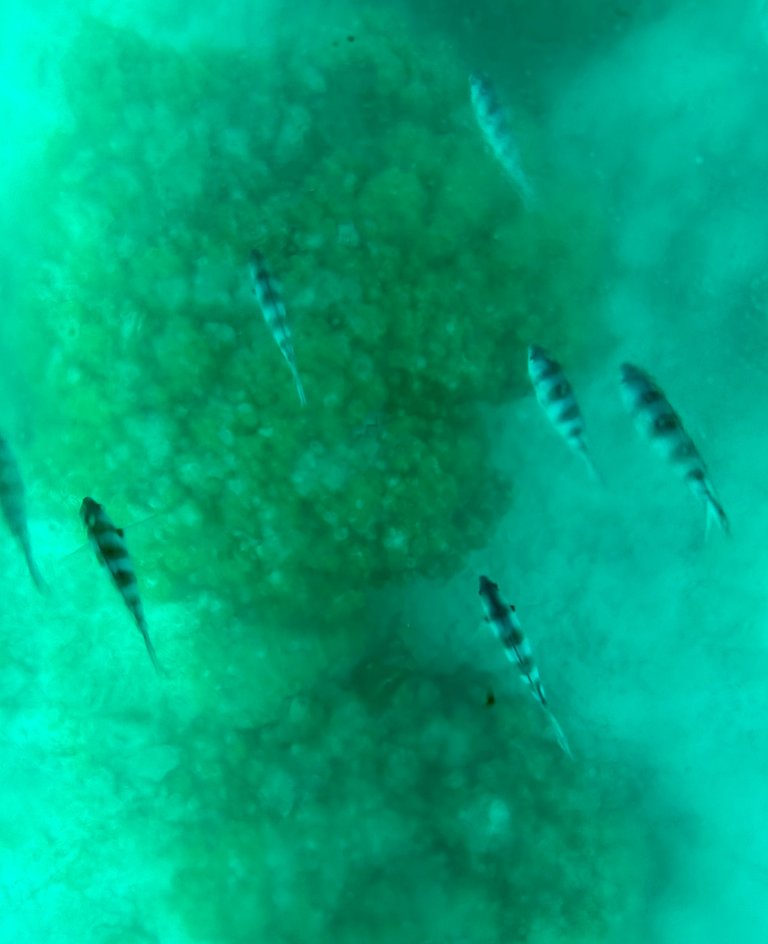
109, 544
504, 622
13, 503
268, 294
493, 121
558, 401
658, 422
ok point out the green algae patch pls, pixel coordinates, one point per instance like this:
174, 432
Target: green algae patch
413, 282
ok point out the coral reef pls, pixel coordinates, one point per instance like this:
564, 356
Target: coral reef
413, 281
402, 805
381, 798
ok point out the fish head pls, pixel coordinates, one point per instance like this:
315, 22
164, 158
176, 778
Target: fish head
487, 586
638, 389
478, 83
255, 265
628, 373
89, 510
539, 362
536, 354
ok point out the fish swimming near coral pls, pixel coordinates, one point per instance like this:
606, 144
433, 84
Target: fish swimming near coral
13, 504
660, 424
268, 294
495, 124
557, 399
503, 620
109, 543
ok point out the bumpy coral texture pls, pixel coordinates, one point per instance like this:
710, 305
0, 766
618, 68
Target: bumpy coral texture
467, 826
413, 281
382, 802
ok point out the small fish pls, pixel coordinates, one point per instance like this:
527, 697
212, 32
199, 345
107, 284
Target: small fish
503, 620
658, 422
268, 294
557, 399
14, 510
495, 125
109, 543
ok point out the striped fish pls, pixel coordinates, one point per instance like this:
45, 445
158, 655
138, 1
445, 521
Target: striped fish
109, 543
494, 123
503, 620
268, 294
556, 398
658, 422
14, 510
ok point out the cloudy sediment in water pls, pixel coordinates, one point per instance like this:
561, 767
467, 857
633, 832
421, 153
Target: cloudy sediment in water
338, 748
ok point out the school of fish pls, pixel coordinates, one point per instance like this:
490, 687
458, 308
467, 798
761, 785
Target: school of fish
643, 398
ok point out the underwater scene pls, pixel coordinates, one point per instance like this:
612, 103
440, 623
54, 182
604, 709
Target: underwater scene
383, 472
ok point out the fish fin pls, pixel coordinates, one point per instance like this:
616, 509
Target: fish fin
716, 513
78, 550
702, 488
40, 582
526, 192
591, 467
299, 386
91, 541
560, 737
34, 572
120, 532
151, 650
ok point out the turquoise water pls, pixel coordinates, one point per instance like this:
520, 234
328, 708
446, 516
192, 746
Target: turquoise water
340, 750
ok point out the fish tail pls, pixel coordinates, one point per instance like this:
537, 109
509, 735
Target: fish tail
591, 467
151, 649
560, 737
523, 186
526, 191
702, 488
34, 571
299, 386
716, 514
520, 179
